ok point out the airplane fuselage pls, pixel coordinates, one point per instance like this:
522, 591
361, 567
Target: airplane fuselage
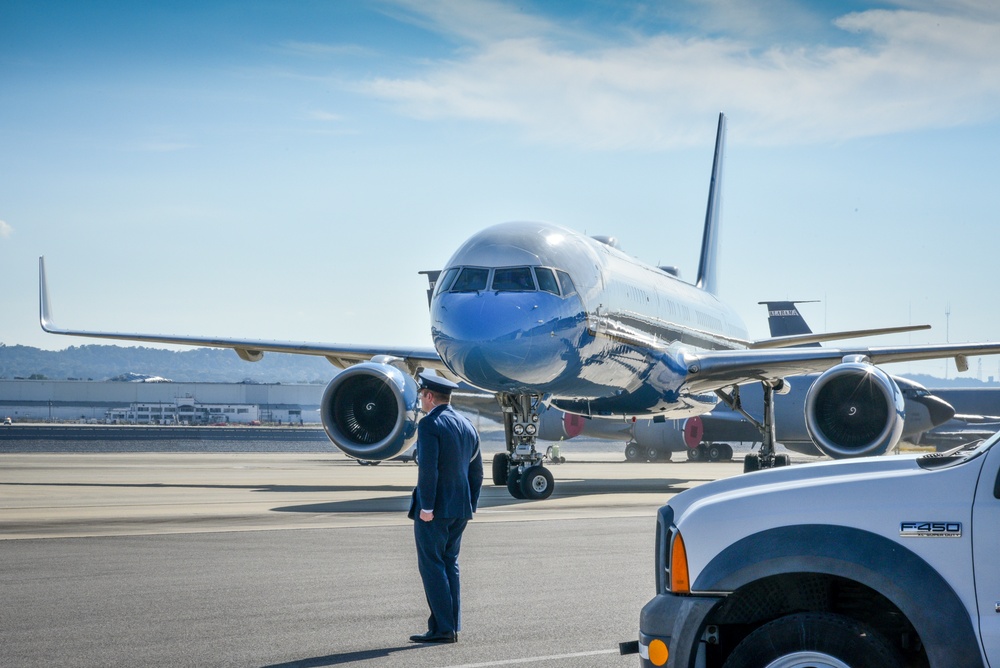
535, 308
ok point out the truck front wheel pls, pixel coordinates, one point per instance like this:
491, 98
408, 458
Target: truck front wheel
816, 640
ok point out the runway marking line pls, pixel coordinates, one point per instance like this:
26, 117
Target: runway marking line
533, 659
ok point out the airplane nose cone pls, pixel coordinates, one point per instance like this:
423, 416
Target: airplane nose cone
505, 342
940, 411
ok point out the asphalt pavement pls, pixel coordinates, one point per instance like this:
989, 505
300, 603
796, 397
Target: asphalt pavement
282, 560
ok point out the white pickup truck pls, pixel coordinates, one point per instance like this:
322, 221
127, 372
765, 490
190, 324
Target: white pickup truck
878, 562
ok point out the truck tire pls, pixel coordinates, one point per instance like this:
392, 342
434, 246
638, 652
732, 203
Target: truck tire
815, 639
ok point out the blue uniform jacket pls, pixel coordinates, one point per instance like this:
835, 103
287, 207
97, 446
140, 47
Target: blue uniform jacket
450, 465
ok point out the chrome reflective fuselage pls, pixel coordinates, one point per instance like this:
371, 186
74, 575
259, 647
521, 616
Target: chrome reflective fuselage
607, 337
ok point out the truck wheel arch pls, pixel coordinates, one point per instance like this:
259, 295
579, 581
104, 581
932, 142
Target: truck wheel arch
901, 576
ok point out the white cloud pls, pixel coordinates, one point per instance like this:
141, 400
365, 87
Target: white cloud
904, 70
5, 229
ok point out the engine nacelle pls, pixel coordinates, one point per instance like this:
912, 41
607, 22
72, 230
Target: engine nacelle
370, 411
672, 435
556, 425
854, 410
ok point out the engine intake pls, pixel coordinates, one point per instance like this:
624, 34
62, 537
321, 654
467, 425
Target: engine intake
854, 410
669, 435
370, 411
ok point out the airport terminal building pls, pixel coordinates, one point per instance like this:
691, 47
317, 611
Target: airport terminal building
158, 403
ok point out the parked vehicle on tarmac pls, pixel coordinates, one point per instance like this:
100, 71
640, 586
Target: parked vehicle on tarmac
884, 562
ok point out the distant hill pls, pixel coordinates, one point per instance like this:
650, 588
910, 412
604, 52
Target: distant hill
206, 365
932, 382
215, 365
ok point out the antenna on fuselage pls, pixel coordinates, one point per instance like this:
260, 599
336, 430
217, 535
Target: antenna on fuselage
710, 239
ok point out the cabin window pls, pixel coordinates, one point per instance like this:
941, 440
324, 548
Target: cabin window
546, 280
566, 282
471, 279
513, 279
445, 283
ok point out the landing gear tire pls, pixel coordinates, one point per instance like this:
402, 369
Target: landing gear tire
537, 483
714, 452
514, 484
727, 451
695, 454
751, 463
652, 454
819, 639
501, 465
782, 460
633, 453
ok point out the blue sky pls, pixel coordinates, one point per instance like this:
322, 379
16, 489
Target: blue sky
283, 170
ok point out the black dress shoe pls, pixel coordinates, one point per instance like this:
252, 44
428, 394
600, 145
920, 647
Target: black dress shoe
435, 637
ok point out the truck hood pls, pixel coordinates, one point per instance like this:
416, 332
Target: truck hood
817, 473
874, 494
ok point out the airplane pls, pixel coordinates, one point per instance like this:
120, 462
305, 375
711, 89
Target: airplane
975, 419
538, 314
706, 437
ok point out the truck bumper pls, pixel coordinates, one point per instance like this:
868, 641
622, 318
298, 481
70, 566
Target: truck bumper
670, 629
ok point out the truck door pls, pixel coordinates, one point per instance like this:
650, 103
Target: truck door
985, 551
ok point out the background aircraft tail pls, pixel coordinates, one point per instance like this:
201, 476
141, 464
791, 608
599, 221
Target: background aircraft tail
710, 239
784, 319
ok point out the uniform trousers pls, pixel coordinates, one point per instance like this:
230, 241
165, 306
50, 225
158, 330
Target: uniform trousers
438, 543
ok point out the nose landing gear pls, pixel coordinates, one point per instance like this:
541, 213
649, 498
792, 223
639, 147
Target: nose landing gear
521, 468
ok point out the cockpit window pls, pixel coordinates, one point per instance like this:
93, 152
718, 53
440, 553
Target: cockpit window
567, 283
546, 280
445, 283
472, 279
513, 279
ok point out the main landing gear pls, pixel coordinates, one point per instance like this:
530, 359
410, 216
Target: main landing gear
766, 458
521, 468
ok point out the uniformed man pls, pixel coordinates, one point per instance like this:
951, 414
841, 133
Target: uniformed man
450, 475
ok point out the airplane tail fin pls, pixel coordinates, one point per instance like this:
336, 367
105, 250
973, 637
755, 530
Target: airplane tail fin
432, 278
784, 319
710, 239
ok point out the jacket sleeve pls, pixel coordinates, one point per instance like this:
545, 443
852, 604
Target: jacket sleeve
476, 475
428, 449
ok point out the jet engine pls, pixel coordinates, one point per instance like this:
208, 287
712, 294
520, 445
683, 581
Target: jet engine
370, 411
669, 435
854, 410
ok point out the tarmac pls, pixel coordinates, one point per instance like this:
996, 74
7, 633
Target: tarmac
281, 560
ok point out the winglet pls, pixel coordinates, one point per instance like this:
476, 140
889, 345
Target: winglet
710, 239
44, 312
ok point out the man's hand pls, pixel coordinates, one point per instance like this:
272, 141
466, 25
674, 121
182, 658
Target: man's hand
426, 515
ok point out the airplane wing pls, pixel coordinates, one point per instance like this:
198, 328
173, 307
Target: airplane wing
815, 337
977, 419
252, 350
711, 369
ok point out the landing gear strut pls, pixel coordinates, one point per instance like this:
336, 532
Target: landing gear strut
520, 468
766, 457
